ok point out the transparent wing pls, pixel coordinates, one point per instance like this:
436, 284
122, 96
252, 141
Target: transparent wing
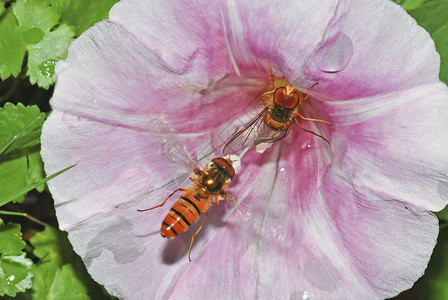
253, 133
246, 136
176, 152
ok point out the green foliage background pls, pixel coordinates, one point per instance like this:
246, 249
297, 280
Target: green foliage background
36, 259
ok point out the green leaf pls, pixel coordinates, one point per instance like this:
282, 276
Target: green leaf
27, 135
12, 46
66, 285
20, 164
13, 119
33, 26
18, 170
42, 57
46, 42
409, 4
22, 139
15, 274
443, 214
60, 274
15, 269
11, 239
52, 245
53, 282
432, 16
30, 187
43, 279
82, 14
54, 250
43, 29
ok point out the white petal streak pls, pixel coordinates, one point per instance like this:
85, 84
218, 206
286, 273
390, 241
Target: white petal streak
236, 34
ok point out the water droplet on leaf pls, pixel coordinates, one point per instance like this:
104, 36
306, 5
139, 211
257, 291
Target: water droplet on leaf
47, 68
335, 54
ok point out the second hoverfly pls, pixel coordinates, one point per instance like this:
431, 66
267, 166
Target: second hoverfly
274, 121
209, 185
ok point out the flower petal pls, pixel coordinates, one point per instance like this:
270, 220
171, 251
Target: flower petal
395, 155
340, 232
389, 242
391, 53
110, 77
284, 32
242, 32
178, 34
114, 166
336, 243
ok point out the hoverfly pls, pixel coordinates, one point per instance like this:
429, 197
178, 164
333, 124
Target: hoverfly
274, 121
209, 185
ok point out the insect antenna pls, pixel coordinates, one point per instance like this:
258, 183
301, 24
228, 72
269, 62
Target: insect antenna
309, 91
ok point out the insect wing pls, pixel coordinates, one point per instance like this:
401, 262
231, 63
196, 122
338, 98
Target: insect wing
268, 136
246, 136
253, 133
176, 152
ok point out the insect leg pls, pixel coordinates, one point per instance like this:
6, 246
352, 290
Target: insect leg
194, 235
309, 91
316, 120
163, 203
267, 94
310, 131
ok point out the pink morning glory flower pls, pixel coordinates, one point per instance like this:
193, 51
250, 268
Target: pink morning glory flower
349, 220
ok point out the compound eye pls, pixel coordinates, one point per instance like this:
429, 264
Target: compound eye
225, 165
284, 101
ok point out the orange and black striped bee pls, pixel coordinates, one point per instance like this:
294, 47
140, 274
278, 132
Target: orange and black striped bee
274, 121
209, 185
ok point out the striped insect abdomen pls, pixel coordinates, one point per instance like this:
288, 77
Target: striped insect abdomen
183, 213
